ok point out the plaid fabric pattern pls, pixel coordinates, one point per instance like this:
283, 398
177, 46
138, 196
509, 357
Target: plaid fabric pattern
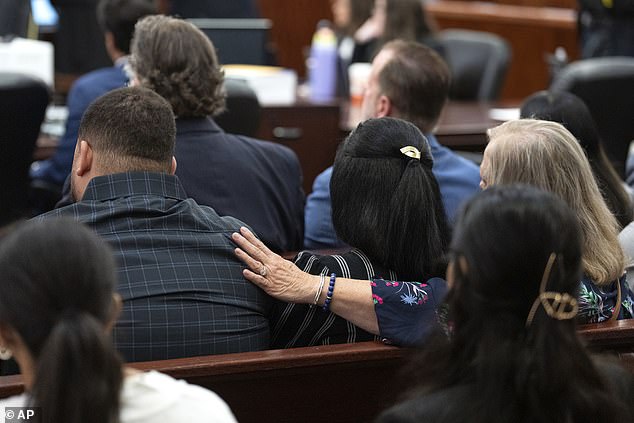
182, 288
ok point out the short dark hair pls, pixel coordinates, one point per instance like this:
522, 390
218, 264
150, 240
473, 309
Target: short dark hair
65, 273
387, 204
175, 59
416, 80
133, 129
119, 17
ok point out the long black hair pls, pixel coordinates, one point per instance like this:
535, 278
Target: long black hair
569, 110
388, 204
57, 285
535, 372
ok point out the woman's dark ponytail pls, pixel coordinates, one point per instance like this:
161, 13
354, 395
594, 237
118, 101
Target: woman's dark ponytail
58, 280
79, 361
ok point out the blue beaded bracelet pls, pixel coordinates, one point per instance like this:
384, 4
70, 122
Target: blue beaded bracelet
331, 288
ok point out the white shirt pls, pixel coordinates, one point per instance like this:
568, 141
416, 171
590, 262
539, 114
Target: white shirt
150, 397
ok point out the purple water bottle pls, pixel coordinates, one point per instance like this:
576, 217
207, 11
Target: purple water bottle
322, 64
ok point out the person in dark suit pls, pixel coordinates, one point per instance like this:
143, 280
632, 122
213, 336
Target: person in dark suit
117, 18
255, 181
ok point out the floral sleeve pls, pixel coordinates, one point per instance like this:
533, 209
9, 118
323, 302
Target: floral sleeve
597, 303
406, 311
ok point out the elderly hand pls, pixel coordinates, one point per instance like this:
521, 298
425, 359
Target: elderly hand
278, 277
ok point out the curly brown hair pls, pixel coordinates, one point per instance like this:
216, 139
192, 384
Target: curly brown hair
175, 59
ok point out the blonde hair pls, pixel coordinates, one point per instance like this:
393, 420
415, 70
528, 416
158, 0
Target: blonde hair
544, 154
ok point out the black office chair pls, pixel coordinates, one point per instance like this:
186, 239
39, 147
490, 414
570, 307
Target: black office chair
606, 85
23, 101
242, 115
478, 62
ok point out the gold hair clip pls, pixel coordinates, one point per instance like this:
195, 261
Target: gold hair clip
411, 151
557, 305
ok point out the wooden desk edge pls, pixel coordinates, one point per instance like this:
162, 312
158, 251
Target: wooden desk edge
555, 17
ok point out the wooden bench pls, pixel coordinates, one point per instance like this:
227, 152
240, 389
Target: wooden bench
334, 383
615, 338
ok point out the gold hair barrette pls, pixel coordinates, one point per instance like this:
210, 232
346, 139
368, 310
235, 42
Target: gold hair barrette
557, 305
411, 151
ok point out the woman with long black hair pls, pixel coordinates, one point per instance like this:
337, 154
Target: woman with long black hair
513, 354
57, 308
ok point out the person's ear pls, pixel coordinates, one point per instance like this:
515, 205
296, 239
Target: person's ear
117, 305
7, 337
174, 165
384, 106
84, 159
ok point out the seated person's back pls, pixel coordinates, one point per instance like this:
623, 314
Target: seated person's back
255, 181
387, 206
183, 292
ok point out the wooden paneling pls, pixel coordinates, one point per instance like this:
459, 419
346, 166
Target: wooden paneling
294, 23
570, 4
311, 130
332, 383
533, 32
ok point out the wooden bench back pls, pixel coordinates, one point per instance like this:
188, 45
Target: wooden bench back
334, 383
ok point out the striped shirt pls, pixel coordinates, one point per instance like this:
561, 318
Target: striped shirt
299, 325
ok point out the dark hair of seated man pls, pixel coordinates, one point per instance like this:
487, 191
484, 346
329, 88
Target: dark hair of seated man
128, 129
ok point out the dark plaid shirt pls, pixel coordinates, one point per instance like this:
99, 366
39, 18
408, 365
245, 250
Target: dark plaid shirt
183, 290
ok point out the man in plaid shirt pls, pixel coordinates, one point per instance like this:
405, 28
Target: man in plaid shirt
182, 289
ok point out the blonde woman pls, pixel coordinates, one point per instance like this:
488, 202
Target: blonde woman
544, 154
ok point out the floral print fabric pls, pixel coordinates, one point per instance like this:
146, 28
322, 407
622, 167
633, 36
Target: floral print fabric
597, 303
406, 311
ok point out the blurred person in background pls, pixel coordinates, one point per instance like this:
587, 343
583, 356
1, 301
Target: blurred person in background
606, 28
394, 20
117, 19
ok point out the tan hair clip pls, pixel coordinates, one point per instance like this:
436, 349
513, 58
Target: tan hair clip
557, 305
411, 151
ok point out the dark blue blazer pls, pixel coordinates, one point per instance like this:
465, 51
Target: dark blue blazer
257, 182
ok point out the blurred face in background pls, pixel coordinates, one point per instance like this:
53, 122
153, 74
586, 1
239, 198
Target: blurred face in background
341, 12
